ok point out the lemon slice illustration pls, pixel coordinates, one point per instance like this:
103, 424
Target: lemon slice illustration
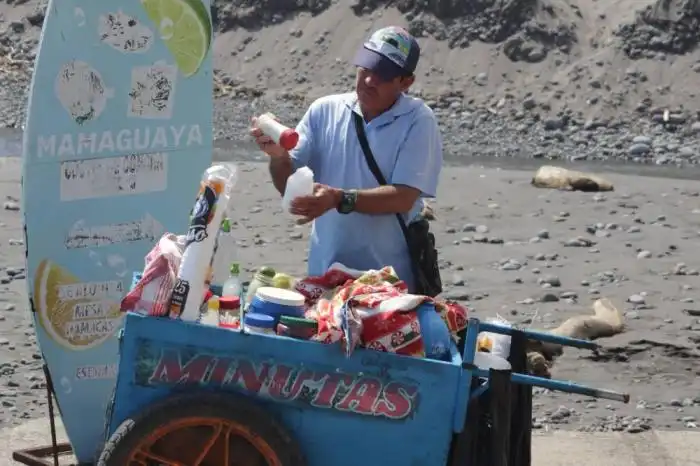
70, 315
185, 27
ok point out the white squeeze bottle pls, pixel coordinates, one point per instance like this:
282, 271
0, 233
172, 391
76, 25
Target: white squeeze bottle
299, 183
282, 135
205, 221
232, 286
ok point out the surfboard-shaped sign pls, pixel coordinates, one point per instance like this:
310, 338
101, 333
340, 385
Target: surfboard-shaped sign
118, 133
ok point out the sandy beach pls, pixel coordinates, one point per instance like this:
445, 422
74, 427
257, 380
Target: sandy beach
532, 256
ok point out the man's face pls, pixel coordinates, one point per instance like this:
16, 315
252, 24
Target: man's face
376, 94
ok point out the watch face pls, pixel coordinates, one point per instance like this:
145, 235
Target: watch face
347, 204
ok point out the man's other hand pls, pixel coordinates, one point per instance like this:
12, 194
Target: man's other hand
265, 142
321, 201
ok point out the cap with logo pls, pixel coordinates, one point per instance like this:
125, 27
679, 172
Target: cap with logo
390, 52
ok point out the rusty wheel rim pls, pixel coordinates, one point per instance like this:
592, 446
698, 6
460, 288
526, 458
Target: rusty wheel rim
203, 442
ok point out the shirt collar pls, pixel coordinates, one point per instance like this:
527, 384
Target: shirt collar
403, 105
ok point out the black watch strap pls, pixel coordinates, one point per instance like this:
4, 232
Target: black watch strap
347, 202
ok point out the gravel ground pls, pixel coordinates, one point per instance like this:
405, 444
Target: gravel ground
535, 257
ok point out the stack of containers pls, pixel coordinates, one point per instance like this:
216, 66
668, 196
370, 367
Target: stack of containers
268, 306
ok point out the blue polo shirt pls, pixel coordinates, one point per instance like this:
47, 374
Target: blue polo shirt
406, 143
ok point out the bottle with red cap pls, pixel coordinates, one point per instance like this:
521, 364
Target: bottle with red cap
282, 135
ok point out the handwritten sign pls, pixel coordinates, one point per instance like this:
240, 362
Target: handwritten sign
351, 393
118, 134
144, 229
115, 176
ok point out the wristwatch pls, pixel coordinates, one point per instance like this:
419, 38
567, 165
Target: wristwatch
347, 202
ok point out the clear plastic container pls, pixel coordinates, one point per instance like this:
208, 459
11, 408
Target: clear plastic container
210, 318
259, 281
211, 314
232, 286
495, 343
230, 312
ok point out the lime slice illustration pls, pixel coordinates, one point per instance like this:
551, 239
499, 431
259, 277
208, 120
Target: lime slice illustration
74, 321
185, 28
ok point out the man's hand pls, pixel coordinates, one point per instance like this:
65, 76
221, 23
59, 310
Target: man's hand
280, 162
321, 201
265, 142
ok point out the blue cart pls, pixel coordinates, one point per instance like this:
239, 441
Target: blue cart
191, 395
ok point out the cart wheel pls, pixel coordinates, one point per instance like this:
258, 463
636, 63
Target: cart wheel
202, 429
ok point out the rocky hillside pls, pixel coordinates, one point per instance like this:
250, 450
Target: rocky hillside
569, 59
588, 59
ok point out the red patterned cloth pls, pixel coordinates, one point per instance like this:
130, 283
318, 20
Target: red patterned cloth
313, 288
151, 295
374, 311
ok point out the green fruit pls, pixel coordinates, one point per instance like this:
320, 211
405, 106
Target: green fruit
266, 271
185, 27
282, 280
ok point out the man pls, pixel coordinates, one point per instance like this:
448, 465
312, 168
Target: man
354, 219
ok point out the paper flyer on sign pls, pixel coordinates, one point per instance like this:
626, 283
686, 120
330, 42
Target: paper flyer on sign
117, 136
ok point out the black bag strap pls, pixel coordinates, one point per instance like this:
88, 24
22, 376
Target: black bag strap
374, 168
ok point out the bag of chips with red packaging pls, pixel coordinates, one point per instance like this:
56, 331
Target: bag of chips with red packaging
375, 311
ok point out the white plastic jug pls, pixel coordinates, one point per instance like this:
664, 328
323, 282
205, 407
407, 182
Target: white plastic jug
299, 183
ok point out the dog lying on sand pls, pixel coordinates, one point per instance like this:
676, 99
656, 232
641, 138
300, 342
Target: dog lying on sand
606, 321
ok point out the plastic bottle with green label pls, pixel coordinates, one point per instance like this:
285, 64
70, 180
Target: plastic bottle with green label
225, 253
232, 286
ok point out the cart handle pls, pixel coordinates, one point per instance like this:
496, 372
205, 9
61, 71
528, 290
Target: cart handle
558, 385
537, 336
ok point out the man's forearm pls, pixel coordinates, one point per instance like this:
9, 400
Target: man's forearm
389, 199
280, 169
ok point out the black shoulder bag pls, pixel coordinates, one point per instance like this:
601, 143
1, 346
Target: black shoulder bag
420, 241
